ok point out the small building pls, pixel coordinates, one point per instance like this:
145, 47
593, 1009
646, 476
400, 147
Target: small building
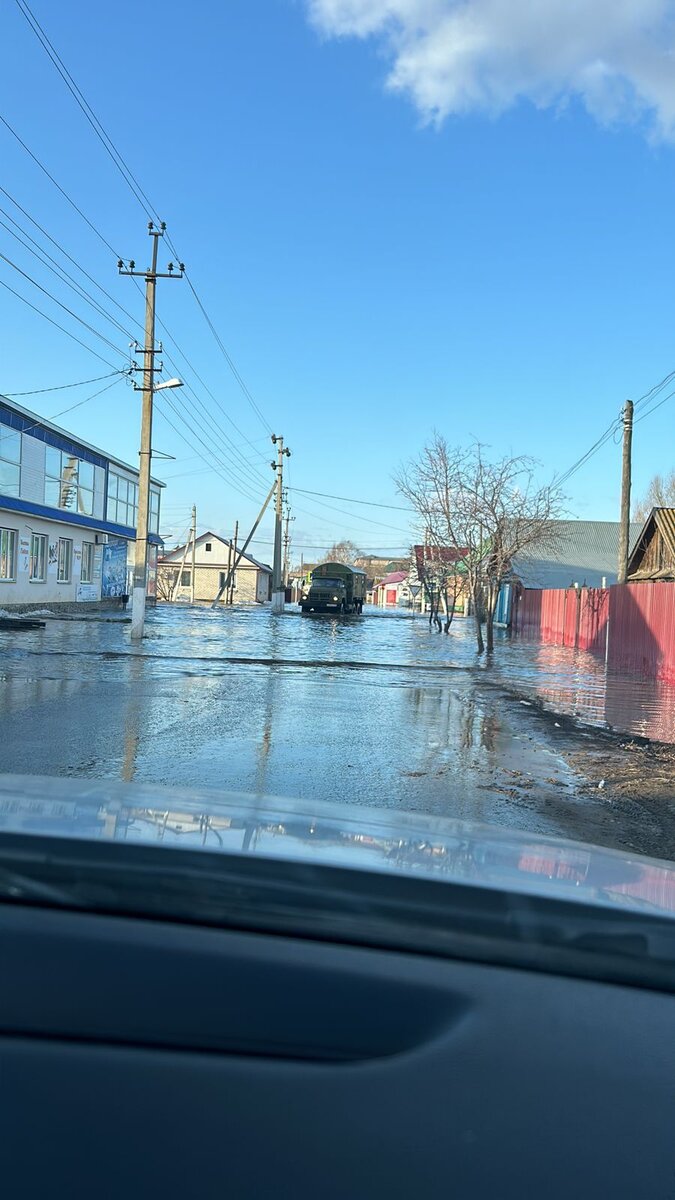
213, 558
392, 591
68, 514
653, 555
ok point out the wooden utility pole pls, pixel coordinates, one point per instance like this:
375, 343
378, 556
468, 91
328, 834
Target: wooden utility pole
624, 526
287, 543
151, 276
278, 593
194, 552
230, 596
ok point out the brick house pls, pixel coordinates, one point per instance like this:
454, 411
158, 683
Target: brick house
213, 555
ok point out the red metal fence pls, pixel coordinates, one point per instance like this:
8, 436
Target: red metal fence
641, 618
564, 616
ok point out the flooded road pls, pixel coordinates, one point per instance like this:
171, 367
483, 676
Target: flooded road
374, 710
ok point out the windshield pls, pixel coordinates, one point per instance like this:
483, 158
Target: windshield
391, 325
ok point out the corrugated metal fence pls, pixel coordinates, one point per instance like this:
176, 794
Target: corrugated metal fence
632, 623
565, 616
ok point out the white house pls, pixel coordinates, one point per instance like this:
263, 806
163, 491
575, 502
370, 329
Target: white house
213, 559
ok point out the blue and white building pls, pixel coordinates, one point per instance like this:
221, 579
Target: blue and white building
68, 514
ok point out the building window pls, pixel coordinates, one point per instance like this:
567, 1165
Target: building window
37, 565
10, 461
154, 510
87, 570
8, 555
185, 579
208, 547
69, 482
122, 507
64, 562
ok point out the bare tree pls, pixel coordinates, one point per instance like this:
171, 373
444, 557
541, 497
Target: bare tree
167, 577
342, 552
660, 494
485, 512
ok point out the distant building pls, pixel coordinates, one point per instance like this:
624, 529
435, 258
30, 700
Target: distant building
392, 591
213, 558
653, 555
68, 515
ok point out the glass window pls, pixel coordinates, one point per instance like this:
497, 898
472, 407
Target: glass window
10, 461
208, 547
64, 565
154, 512
185, 579
86, 475
8, 555
87, 572
69, 482
37, 565
85, 502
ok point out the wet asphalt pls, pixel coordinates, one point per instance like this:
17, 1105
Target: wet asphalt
373, 710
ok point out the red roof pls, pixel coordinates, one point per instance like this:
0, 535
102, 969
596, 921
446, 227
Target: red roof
394, 577
427, 555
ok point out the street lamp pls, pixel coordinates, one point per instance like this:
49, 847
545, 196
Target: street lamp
168, 383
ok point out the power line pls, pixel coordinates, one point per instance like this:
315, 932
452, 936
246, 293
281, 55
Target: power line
61, 274
58, 187
131, 181
89, 113
79, 404
62, 386
351, 500
65, 253
65, 308
56, 324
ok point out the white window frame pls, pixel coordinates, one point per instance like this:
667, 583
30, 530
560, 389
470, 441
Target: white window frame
12, 535
88, 551
41, 537
69, 543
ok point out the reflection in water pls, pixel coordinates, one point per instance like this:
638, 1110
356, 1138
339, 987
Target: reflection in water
575, 682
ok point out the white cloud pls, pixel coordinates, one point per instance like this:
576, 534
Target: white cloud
460, 56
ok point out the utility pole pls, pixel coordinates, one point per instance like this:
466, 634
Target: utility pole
287, 543
624, 526
230, 596
224, 586
194, 551
151, 276
278, 593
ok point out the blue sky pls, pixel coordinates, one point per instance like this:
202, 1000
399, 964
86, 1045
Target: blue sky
504, 273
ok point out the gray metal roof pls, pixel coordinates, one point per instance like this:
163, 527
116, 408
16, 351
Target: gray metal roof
583, 552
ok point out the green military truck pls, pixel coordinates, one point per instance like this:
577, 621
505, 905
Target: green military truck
334, 587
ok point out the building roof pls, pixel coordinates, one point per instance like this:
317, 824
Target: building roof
177, 554
577, 552
393, 577
41, 423
426, 556
641, 565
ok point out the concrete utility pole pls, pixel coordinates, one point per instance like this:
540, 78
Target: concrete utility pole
287, 543
624, 526
151, 276
229, 599
278, 593
194, 551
